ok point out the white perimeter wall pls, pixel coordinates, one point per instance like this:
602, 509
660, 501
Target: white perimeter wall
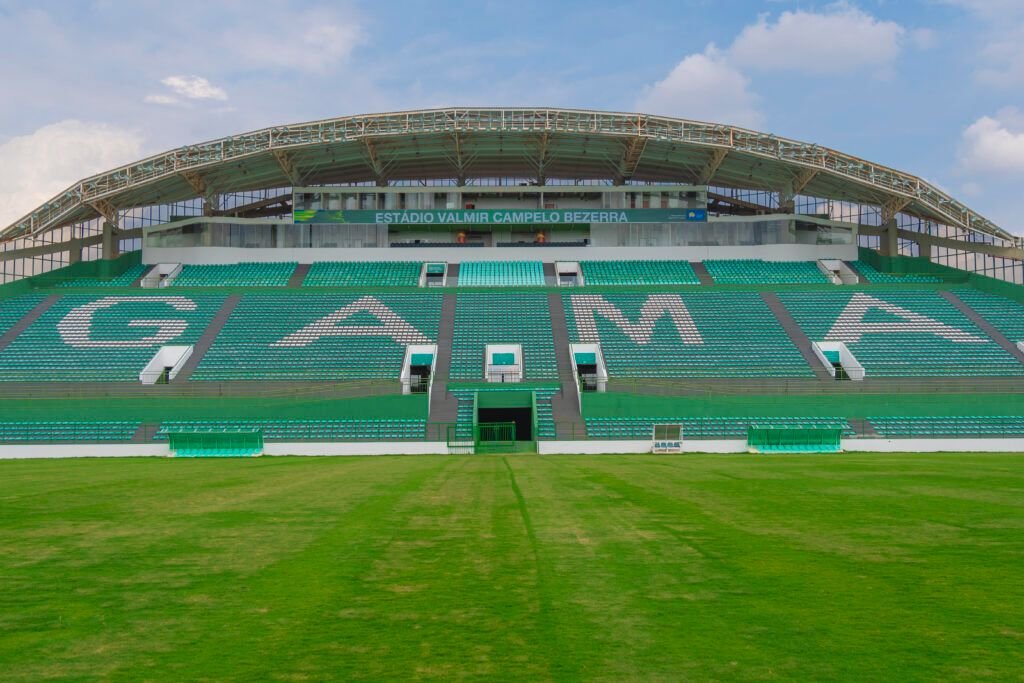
768, 252
10, 451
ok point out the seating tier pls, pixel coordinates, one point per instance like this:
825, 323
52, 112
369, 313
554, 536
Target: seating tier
236, 275
896, 346
67, 431
14, 309
501, 274
308, 430
977, 426
90, 338
125, 279
363, 274
871, 274
736, 335
757, 272
1006, 315
320, 337
639, 273
642, 428
503, 318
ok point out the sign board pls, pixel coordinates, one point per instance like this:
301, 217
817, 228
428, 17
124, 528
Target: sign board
502, 216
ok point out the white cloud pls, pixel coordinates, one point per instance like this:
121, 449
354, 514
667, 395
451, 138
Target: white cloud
924, 38
705, 87
994, 144
161, 99
991, 9
194, 88
35, 167
322, 41
1004, 57
841, 39
1001, 56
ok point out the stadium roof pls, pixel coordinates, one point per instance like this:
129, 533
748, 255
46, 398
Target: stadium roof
467, 143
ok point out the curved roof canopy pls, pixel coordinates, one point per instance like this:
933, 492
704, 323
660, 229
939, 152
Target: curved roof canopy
467, 143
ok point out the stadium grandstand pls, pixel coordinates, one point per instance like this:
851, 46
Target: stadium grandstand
507, 280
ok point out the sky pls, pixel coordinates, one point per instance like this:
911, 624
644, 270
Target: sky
931, 87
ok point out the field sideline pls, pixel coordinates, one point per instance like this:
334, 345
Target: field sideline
851, 567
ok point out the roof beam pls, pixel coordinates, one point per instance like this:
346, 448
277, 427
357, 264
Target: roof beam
373, 159
707, 173
893, 206
742, 203
803, 179
923, 238
631, 156
106, 210
543, 157
287, 163
196, 181
262, 207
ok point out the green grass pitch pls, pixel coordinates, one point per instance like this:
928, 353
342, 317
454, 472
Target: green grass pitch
847, 567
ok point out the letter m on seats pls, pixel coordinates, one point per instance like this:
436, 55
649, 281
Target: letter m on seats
586, 308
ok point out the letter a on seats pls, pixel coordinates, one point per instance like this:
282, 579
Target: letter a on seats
75, 327
393, 326
586, 307
850, 325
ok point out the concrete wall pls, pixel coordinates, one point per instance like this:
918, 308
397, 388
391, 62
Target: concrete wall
769, 252
595, 447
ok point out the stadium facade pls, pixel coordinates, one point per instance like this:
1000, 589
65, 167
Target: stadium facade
473, 280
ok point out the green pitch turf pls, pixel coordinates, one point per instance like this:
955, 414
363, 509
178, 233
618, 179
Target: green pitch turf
851, 567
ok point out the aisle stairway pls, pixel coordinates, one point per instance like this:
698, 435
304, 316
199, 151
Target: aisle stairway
209, 336
796, 335
443, 405
565, 406
18, 313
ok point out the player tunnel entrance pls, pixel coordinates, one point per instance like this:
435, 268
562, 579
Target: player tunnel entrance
505, 420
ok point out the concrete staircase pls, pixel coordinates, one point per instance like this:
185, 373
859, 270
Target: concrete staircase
849, 264
209, 335
145, 432
30, 317
565, 407
702, 273
444, 406
550, 277
985, 325
864, 429
295, 281
138, 280
796, 335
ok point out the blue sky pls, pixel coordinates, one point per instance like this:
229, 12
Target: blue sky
933, 87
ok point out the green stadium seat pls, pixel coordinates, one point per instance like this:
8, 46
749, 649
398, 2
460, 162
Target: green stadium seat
741, 337
125, 279
1006, 315
639, 273
874, 276
642, 428
364, 274
904, 352
236, 275
758, 272
384, 429
501, 274
68, 431
963, 426
247, 348
14, 309
41, 354
503, 318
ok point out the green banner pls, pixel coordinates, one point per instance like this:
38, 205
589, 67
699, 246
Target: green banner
503, 216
